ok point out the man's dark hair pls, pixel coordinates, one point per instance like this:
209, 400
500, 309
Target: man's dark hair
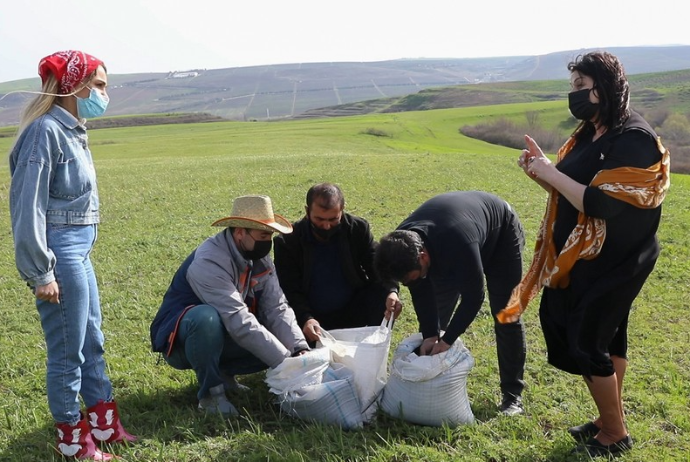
326, 195
611, 86
397, 254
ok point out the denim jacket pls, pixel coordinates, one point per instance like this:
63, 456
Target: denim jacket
53, 181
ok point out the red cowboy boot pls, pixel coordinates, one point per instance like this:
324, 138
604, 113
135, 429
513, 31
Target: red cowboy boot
76, 441
105, 423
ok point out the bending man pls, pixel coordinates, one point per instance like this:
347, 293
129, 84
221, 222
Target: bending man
442, 252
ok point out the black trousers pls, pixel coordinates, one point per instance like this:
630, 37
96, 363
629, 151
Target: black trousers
503, 271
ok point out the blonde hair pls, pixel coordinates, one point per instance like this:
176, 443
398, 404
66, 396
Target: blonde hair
39, 106
42, 103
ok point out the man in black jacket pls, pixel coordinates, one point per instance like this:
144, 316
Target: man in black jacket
443, 252
325, 268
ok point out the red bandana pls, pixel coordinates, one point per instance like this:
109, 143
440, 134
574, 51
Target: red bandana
69, 68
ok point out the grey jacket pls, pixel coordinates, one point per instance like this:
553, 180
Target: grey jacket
246, 294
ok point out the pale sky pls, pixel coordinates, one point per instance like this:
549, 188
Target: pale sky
165, 35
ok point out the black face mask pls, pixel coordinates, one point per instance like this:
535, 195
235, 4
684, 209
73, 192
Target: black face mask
325, 234
260, 250
580, 106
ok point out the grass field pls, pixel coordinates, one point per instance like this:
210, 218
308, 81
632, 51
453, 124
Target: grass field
162, 186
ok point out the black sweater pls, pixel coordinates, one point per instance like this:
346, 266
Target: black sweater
460, 231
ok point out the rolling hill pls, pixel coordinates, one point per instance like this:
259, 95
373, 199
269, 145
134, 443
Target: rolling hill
302, 90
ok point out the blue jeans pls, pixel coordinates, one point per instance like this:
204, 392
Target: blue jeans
72, 327
204, 345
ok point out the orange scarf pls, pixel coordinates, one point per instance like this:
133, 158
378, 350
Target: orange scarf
643, 188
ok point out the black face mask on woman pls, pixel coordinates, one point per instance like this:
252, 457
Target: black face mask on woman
580, 106
260, 250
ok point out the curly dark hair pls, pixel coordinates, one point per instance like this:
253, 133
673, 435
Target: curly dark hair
611, 86
397, 254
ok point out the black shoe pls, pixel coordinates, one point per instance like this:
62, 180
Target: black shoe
583, 432
512, 405
595, 449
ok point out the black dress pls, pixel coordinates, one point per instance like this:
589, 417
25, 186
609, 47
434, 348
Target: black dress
586, 322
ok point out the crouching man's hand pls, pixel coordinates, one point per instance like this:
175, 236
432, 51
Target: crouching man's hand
299, 353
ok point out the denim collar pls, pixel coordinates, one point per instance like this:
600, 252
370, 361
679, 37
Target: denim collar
63, 116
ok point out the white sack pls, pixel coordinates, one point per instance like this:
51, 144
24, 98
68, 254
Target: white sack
308, 388
429, 390
300, 371
363, 350
333, 401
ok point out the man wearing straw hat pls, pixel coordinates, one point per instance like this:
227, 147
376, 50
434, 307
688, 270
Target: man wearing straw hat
224, 313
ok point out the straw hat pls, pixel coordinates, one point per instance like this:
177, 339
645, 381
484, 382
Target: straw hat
255, 212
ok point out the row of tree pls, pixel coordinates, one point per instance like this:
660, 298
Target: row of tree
673, 128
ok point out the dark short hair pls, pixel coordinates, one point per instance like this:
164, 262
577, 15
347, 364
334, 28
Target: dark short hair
611, 86
326, 195
397, 254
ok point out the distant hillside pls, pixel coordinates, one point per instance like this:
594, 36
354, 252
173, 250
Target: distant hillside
297, 90
668, 91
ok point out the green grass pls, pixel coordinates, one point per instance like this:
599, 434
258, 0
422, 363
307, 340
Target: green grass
162, 186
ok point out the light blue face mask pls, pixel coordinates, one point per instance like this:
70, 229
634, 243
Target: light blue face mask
93, 106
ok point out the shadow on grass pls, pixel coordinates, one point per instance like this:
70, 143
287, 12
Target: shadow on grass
33, 446
170, 427
262, 433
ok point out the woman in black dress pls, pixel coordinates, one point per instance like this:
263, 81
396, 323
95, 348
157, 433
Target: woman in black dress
597, 243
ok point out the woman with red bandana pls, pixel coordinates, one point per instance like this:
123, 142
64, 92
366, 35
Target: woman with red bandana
54, 211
